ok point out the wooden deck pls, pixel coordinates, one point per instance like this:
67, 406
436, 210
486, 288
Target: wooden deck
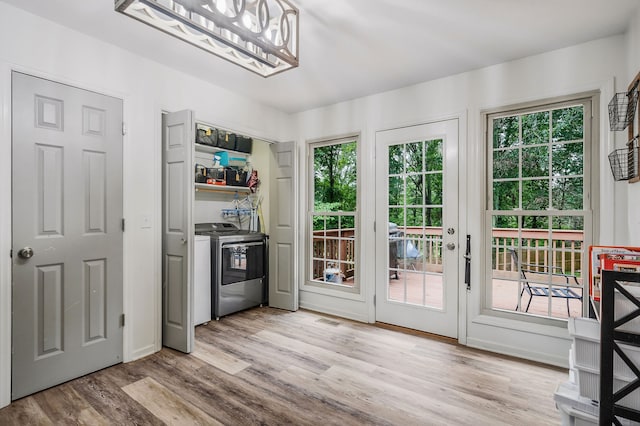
426, 290
271, 367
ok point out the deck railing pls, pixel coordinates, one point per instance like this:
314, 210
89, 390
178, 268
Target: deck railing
561, 248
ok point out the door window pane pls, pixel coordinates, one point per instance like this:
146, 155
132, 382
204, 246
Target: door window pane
414, 157
433, 155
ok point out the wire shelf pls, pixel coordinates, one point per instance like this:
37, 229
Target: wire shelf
622, 109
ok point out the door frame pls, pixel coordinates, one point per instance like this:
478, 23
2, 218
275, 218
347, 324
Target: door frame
6, 225
463, 226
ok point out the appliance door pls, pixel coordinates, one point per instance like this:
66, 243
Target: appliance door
242, 261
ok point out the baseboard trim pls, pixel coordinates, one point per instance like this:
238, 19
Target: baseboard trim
542, 357
142, 352
335, 312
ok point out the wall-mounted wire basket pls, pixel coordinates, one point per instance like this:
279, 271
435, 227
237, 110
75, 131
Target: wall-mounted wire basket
622, 109
624, 162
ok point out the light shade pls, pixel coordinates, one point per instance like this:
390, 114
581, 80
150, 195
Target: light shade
259, 35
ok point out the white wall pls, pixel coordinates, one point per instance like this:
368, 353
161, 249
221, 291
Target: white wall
40, 47
587, 67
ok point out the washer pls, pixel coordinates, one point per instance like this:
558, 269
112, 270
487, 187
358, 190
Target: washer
202, 280
239, 259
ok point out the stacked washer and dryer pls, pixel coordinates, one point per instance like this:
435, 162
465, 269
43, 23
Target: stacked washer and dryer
231, 273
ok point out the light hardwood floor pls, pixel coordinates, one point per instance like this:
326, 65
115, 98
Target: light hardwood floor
266, 366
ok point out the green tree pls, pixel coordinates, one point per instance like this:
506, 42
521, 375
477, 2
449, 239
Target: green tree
538, 159
335, 182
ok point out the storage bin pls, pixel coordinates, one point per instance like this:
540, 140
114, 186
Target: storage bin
226, 140
244, 144
206, 135
236, 177
589, 385
586, 338
569, 416
586, 349
567, 393
228, 159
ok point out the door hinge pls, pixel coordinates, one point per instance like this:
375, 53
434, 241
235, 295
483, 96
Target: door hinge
124, 129
374, 226
11, 253
374, 300
122, 224
122, 320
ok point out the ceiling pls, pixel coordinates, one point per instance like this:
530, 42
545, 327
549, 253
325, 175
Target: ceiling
354, 48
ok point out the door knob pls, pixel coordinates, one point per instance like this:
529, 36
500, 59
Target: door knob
25, 253
183, 240
451, 246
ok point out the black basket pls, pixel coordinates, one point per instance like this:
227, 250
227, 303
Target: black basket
226, 140
244, 144
622, 109
236, 177
206, 135
623, 163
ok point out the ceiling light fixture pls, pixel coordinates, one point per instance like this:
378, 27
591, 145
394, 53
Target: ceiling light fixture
259, 35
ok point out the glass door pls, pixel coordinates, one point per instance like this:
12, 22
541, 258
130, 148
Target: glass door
417, 241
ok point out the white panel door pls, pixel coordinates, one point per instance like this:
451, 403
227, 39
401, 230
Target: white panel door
177, 230
67, 233
417, 249
283, 289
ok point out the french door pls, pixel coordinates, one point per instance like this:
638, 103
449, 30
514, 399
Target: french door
417, 241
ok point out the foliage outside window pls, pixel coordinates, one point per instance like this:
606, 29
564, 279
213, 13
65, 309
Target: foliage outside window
538, 187
332, 213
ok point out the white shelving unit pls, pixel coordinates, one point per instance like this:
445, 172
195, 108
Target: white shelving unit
220, 188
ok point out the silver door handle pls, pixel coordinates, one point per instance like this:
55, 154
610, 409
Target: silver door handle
183, 240
25, 253
451, 246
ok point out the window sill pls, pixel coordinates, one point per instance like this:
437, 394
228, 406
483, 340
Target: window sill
344, 292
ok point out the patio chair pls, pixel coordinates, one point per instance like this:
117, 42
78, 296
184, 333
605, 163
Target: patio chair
409, 254
563, 292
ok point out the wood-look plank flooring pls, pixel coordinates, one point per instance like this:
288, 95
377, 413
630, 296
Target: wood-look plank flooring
270, 367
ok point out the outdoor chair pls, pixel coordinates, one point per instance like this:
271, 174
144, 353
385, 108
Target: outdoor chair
564, 292
409, 254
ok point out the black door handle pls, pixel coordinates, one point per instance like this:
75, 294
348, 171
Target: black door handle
467, 263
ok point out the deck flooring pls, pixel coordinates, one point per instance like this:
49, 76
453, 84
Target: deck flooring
270, 367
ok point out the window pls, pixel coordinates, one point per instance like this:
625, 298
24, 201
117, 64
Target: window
333, 221
538, 214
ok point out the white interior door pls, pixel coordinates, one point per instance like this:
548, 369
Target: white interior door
67, 233
283, 290
177, 230
417, 251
